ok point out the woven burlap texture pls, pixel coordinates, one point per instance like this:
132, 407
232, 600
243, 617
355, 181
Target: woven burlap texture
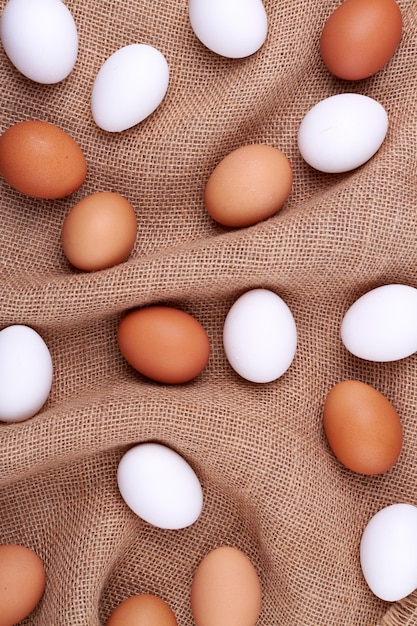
271, 485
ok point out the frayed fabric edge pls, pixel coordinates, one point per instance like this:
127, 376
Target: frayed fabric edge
402, 613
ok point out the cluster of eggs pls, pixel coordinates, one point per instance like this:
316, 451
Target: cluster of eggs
225, 589
168, 345
364, 431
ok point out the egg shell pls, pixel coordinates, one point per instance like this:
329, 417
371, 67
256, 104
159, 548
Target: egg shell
230, 28
362, 427
388, 552
142, 610
159, 486
342, 132
40, 38
360, 37
226, 590
260, 336
41, 160
25, 364
249, 184
22, 583
99, 231
381, 325
129, 86
163, 343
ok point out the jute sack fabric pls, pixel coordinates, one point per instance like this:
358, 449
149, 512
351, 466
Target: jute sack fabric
271, 485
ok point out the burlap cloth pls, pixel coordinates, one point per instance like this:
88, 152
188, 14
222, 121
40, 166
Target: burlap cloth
271, 485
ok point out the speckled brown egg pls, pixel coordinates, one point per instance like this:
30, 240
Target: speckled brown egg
142, 610
226, 590
99, 231
360, 37
41, 160
249, 185
163, 343
22, 583
362, 427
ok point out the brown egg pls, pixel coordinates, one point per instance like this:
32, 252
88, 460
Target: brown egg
99, 232
360, 37
41, 160
362, 427
249, 185
142, 610
164, 344
225, 590
22, 583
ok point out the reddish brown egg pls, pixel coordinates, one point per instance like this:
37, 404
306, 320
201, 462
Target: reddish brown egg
41, 160
22, 583
142, 610
99, 231
362, 427
163, 343
249, 185
225, 590
360, 37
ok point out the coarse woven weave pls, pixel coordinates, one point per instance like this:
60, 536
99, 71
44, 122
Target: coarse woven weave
271, 485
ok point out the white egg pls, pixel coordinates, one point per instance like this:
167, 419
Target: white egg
159, 486
388, 552
342, 132
230, 28
40, 38
382, 324
129, 86
25, 373
260, 336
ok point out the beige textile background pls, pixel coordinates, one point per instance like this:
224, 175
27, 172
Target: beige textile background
271, 485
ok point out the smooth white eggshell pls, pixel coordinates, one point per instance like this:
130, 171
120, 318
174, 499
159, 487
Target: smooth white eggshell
342, 132
25, 373
260, 336
381, 325
388, 552
159, 486
40, 38
129, 86
230, 28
